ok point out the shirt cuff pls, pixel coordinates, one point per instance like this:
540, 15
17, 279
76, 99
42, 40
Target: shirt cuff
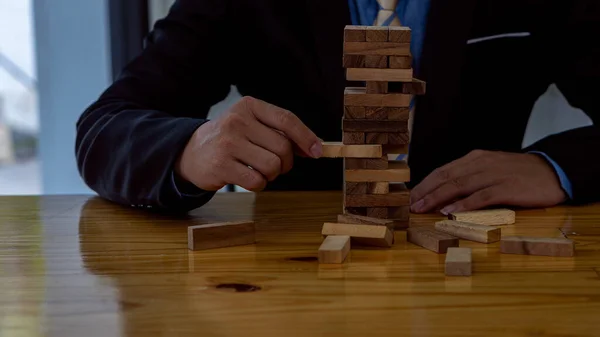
564, 180
185, 189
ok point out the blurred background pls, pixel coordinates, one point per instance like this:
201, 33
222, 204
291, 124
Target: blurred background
57, 56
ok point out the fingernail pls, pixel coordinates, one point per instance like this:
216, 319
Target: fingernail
316, 150
416, 207
448, 209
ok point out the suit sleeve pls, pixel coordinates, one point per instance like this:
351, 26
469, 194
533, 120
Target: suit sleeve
573, 50
129, 139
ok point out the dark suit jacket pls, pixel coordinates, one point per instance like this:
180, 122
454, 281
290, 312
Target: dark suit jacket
289, 53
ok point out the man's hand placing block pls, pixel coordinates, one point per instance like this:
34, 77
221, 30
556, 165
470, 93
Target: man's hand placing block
334, 249
221, 235
339, 150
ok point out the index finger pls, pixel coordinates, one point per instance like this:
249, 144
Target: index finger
288, 123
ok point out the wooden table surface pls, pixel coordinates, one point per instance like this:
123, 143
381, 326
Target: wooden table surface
81, 266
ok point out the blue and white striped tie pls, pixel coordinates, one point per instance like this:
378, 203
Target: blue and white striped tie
387, 13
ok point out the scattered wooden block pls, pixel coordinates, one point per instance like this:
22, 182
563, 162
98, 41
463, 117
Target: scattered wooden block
459, 262
429, 238
377, 34
381, 187
353, 138
375, 62
400, 34
359, 97
397, 62
398, 138
492, 217
377, 113
355, 34
468, 231
364, 220
369, 125
354, 112
376, 87
355, 188
339, 150
372, 74
334, 249
354, 61
398, 114
220, 235
378, 200
377, 48
398, 172
360, 234
376, 138
560, 247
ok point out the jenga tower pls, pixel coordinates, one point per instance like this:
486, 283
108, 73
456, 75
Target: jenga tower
378, 113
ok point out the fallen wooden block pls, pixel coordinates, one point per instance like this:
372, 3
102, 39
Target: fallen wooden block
368, 125
400, 34
490, 217
367, 235
395, 199
459, 262
358, 97
364, 220
334, 249
469, 231
537, 246
373, 74
220, 235
377, 48
340, 150
353, 33
429, 238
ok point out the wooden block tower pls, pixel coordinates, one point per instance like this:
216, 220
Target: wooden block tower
378, 114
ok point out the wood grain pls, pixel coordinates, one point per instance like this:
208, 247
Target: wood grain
459, 261
394, 199
354, 61
398, 62
353, 33
334, 249
398, 114
397, 172
376, 138
359, 97
377, 34
377, 112
381, 187
400, 34
524, 245
375, 62
378, 212
415, 87
365, 220
492, 217
368, 125
399, 138
353, 138
360, 234
428, 238
220, 235
376, 87
468, 231
377, 164
355, 188
373, 74
340, 150
377, 48
354, 112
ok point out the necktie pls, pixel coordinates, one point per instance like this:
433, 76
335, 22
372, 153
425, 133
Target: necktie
387, 13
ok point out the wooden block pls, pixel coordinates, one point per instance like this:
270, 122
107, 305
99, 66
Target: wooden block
378, 212
360, 234
397, 172
334, 249
397, 62
355, 34
395, 199
523, 245
416, 87
459, 262
369, 125
377, 48
350, 138
372, 74
381, 187
400, 34
359, 97
365, 220
376, 164
355, 188
375, 62
377, 113
377, 34
354, 61
398, 114
361, 211
221, 235
339, 150
429, 238
399, 213
376, 138
491, 217
355, 163
354, 112
468, 231
398, 138
394, 148
376, 87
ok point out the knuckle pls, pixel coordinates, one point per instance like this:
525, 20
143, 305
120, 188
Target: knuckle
247, 101
252, 180
274, 167
443, 174
458, 183
226, 144
285, 117
486, 196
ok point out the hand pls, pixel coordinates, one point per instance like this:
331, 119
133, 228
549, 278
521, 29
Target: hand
485, 178
248, 146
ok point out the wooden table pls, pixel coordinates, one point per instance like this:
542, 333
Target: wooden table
81, 266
